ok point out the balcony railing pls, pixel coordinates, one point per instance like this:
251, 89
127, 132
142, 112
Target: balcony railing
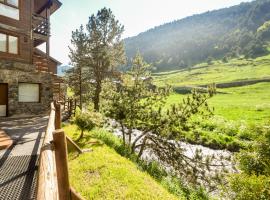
41, 25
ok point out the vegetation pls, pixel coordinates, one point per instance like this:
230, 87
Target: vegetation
127, 179
254, 180
228, 32
86, 121
95, 54
104, 174
228, 40
135, 105
202, 74
240, 112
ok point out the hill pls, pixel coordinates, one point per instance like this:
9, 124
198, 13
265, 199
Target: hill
242, 85
239, 30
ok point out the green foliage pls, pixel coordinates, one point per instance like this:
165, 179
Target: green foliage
256, 160
95, 54
254, 180
226, 32
103, 174
173, 184
86, 121
264, 31
136, 105
245, 187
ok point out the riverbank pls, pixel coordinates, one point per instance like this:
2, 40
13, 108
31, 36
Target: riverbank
104, 174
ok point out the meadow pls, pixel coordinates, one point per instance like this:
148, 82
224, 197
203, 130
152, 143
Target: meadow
216, 72
239, 112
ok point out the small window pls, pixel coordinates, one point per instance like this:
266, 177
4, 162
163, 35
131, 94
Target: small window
29, 92
9, 44
10, 8
3, 42
13, 2
12, 44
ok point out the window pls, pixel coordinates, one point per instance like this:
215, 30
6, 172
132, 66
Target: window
3, 42
10, 8
29, 92
13, 44
9, 44
13, 2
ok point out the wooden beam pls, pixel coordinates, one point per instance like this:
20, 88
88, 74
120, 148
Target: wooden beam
61, 157
73, 145
15, 29
47, 187
74, 195
58, 118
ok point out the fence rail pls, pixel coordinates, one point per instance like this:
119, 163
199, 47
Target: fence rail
53, 179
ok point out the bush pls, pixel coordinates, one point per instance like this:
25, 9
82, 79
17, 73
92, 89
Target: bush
254, 181
245, 187
86, 121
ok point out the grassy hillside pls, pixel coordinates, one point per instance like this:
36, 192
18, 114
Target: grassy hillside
228, 32
249, 103
217, 72
240, 112
104, 174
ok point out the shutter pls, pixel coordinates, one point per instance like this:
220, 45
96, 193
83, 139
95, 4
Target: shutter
28, 92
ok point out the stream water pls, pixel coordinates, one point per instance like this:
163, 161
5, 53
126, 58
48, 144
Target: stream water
222, 159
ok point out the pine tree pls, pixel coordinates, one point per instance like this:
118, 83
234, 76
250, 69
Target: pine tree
75, 76
105, 49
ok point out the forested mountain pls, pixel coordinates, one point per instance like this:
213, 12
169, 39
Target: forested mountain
239, 30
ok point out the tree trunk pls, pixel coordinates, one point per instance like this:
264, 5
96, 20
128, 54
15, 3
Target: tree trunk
80, 88
97, 96
142, 148
123, 133
81, 136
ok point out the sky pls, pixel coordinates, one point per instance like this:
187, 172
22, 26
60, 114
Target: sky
136, 15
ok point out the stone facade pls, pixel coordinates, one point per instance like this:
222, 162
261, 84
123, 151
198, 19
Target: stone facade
14, 73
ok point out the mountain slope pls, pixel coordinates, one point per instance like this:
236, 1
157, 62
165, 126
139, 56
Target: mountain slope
226, 32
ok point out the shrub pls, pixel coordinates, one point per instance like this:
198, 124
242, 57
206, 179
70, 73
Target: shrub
245, 187
86, 121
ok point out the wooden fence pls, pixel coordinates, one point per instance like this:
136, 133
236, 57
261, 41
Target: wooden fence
53, 179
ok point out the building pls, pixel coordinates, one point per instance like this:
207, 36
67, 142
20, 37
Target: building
28, 80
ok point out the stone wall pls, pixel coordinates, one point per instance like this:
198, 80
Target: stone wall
15, 73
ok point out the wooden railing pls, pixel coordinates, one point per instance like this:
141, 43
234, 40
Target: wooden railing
41, 25
53, 179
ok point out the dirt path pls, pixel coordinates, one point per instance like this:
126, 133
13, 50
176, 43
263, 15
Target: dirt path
18, 164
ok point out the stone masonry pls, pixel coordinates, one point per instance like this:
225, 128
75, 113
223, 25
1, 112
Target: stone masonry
14, 73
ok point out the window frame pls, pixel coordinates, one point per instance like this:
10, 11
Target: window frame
16, 7
39, 92
10, 5
7, 44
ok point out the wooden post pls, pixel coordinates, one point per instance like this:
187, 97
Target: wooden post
58, 116
68, 106
71, 107
64, 103
61, 158
74, 112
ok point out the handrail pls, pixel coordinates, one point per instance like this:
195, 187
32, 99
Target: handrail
53, 158
47, 188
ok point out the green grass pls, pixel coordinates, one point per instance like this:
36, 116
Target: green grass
249, 103
218, 72
240, 112
104, 174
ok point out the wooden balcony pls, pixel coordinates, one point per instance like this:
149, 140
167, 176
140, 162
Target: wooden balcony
40, 28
